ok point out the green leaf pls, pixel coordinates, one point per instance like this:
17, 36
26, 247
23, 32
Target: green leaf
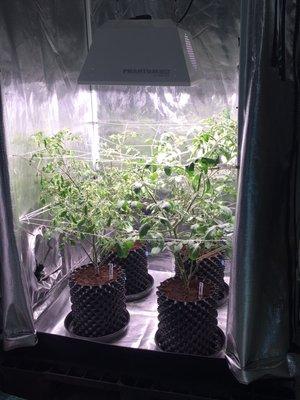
73, 218
128, 228
195, 227
210, 162
153, 176
137, 187
135, 204
205, 136
196, 182
124, 248
164, 221
121, 204
155, 251
208, 186
168, 170
166, 206
194, 252
190, 167
151, 167
144, 229
177, 247
210, 233
108, 223
80, 223
91, 229
226, 211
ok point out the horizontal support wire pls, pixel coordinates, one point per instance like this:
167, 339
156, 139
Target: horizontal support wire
150, 124
66, 231
124, 158
28, 156
104, 235
34, 213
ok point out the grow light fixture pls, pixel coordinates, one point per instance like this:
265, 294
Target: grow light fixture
145, 52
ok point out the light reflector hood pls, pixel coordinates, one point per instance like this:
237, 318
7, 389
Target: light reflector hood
140, 52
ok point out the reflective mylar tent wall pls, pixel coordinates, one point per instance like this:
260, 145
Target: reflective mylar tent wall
43, 46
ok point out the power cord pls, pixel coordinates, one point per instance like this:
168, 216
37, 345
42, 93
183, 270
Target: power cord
186, 12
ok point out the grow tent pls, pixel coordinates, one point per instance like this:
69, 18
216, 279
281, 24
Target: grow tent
43, 51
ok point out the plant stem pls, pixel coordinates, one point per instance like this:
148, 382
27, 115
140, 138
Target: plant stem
182, 271
87, 253
191, 203
95, 254
69, 176
161, 210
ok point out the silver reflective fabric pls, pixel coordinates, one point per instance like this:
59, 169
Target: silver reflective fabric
261, 309
42, 49
15, 306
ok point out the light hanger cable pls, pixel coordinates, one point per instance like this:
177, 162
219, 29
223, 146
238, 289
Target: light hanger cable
186, 11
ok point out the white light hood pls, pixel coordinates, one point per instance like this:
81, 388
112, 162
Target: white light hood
145, 52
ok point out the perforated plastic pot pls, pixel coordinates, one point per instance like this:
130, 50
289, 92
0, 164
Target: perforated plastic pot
188, 327
98, 310
211, 269
138, 281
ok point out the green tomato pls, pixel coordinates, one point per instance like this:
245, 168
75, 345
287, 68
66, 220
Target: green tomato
168, 170
144, 230
166, 206
195, 227
137, 187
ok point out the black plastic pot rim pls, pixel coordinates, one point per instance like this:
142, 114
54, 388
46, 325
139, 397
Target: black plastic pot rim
144, 293
210, 254
108, 284
184, 303
224, 300
207, 258
99, 339
137, 246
